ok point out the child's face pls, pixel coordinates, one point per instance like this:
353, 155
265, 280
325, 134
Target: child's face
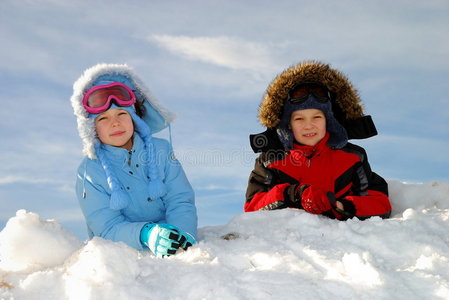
308, 126
115, 127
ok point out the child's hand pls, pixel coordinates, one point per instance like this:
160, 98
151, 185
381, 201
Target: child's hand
187, 240
292, 195
315, 200
162, 239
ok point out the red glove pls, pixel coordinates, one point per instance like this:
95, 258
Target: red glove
315, 200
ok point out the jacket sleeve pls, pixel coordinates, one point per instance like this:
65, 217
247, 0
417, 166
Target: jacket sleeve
264, 191
180, 198
101, 220
369, 195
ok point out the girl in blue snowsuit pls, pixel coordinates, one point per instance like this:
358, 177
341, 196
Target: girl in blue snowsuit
130, 186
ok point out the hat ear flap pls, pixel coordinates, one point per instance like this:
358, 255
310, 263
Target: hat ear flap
337, 111
156, 187
119, 199
338, 136
285, 135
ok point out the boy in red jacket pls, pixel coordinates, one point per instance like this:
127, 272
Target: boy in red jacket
306, 160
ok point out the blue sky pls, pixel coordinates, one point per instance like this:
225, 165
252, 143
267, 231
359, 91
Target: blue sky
210, 62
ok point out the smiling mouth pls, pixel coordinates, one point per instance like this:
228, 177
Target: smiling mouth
117, 133
309, 135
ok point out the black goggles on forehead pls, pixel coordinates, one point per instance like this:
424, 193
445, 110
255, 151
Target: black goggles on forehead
301, 92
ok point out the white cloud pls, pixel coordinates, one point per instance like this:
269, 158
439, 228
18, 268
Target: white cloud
222, 51
28, 180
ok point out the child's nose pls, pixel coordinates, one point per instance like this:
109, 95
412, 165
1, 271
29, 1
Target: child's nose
115, 121
308, 124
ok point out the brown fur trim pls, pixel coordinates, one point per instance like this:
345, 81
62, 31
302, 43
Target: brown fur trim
345, 95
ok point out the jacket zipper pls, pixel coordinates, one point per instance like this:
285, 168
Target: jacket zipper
309, 158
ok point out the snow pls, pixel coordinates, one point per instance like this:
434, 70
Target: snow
284, 254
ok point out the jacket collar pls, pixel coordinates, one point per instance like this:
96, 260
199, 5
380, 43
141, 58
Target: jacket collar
122, 154
309, 151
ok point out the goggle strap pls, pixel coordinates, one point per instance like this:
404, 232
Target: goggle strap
301, 100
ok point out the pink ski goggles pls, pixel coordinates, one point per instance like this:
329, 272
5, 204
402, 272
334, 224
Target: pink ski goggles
99, 98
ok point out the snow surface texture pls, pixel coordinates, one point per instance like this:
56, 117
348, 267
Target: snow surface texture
284, 254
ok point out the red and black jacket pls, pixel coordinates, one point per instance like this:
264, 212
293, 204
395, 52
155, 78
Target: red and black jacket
345, 172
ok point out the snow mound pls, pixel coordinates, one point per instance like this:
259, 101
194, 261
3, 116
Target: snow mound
284, 254
28, 243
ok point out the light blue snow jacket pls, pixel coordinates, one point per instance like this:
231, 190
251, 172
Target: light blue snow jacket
177, 207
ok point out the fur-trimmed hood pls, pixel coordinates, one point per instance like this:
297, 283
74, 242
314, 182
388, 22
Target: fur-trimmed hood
156, 116
343, 93
347, 106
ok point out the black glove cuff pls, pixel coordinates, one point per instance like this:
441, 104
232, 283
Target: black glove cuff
292, 195
348, 206
289, 195
300, 191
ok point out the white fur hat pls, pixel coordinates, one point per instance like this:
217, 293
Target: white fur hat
156, 116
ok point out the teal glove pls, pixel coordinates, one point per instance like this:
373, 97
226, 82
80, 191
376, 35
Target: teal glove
189, 240
162, 239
